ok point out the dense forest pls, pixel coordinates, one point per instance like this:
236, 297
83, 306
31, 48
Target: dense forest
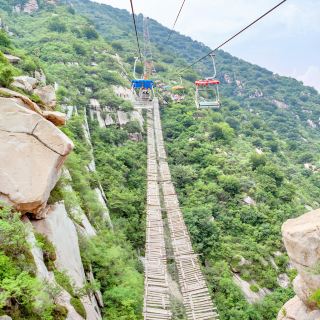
240, 171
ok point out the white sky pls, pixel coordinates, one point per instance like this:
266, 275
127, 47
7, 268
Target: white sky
286, 42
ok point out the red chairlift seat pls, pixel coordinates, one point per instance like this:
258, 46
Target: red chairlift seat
206, 82
207, 91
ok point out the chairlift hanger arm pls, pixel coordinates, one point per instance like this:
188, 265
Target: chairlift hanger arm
135, 28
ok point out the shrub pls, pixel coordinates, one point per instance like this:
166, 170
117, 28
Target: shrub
4, 39
28, 65
59, 312
57, 26
90, 33
63, 280
78, 306
315, 298
117, 45
221, 131
254, 288
257, 160
79, 49
230, 184
49, 253
6, 76
71, 10
133, 127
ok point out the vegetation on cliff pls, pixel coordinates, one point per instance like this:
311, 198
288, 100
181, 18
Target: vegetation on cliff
240, 172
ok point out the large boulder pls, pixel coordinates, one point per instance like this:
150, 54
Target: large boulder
21, 99
32, 151
301, 237
56, 117
295, 309
12, 59
47, 94
25, 83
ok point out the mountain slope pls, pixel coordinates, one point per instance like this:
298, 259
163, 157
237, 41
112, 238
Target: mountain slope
240, 172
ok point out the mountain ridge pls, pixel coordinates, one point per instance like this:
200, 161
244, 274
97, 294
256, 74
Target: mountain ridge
239, 172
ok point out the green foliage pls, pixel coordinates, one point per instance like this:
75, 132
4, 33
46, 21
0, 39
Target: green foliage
29, 65
56, 25
64, 281
49, 253
209, 153
123, 287
78, 306
221, 131
90, 33
6, 76
257, 160
254, 288
315, 298
59, 312
22, 295
133, 127
4, 39
230, 184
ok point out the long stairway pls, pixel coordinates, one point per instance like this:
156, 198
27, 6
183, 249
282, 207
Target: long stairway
156, 296
196, 296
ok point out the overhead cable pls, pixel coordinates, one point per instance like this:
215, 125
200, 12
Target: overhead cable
136, 32
175, 22
231, 38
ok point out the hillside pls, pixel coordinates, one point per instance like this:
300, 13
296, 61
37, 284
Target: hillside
240, 172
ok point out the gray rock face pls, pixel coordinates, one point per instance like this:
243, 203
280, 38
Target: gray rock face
61, 231
251, 297
12, 59
25, 83
31, 6
32, 151
43, 274
48, 95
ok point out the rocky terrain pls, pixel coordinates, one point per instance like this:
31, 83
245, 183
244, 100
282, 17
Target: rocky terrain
301, 237
32, 152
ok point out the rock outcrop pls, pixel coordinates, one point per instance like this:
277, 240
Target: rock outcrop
12, 59
32, 151
301, 237
25, 83
61, 231
43, 274
56, 117
251, 297
31, 6
47, 94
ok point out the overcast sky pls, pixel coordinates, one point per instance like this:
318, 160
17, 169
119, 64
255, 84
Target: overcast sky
286, 42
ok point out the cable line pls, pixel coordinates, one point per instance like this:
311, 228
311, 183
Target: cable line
135, 28
175, 22
231, 38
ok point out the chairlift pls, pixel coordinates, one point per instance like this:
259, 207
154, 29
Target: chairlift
142, 88
207, 91
179, 87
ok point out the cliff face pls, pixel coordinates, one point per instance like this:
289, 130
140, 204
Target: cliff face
32, 154
301, 237
31, 6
